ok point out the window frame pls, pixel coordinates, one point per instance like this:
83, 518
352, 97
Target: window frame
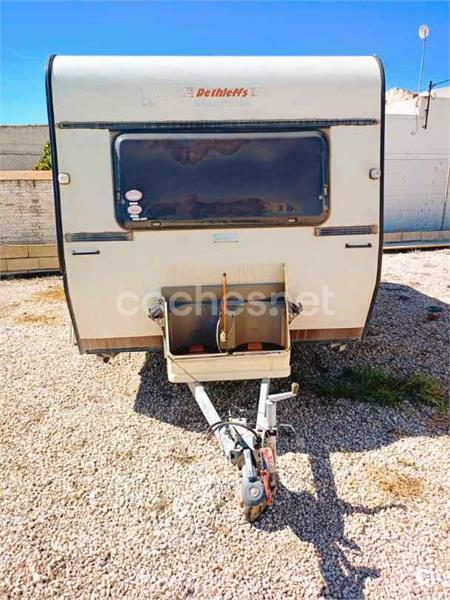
235, 223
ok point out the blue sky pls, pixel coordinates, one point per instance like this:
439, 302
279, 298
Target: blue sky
31, 31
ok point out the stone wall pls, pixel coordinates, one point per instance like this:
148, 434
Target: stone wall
31, 258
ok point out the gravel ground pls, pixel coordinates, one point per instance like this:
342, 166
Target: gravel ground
109, 487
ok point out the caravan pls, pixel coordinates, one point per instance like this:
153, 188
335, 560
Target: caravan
205, 208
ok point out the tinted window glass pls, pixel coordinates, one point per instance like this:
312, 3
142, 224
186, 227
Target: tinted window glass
204, 181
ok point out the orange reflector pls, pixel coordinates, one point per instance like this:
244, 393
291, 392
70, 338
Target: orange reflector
254, 346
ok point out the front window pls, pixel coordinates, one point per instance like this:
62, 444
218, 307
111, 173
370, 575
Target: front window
213, 180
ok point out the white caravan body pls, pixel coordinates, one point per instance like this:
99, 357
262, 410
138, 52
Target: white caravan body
170, 172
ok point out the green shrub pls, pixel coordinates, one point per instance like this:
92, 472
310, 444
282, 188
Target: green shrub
45, 162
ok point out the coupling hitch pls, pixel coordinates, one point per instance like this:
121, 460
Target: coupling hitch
253, 451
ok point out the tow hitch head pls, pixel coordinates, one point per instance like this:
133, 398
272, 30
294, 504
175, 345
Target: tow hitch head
252, 450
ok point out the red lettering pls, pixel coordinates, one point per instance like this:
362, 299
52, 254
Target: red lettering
222, 92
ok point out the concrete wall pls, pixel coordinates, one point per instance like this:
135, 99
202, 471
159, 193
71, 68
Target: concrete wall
21, 146
417, 167
27, 213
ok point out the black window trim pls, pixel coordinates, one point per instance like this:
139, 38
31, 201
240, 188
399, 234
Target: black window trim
263, 222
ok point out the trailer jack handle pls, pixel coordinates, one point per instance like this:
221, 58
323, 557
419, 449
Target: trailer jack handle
253, 451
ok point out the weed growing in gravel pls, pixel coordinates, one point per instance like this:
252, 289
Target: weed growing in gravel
378, 386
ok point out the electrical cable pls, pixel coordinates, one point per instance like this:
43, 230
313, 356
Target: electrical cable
212, 428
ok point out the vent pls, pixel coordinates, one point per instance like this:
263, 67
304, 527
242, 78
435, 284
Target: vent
100, 236
349, 230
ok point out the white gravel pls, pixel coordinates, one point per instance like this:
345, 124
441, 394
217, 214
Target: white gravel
109, 487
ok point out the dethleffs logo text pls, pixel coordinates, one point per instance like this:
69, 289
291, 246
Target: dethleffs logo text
221, 92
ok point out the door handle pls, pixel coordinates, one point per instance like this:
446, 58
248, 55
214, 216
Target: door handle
84, 252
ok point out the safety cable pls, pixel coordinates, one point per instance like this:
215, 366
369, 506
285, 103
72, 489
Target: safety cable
220, 424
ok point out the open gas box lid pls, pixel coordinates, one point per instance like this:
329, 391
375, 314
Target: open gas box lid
227, 331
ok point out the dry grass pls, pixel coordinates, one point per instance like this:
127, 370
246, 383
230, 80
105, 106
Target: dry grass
53, 294
397, 484
31, 319
182, 458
